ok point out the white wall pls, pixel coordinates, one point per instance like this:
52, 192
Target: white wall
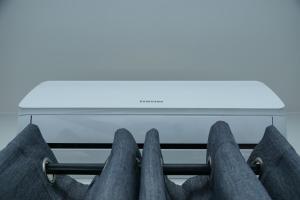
149, 40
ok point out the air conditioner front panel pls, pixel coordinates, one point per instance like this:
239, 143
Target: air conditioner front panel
172, 129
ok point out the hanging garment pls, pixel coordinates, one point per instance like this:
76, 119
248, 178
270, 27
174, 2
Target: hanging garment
22, 176
280, 170
119, 179
231, 178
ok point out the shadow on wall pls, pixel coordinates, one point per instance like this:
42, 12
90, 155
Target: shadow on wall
2, 3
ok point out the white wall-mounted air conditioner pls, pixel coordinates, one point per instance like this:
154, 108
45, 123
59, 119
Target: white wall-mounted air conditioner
182, 112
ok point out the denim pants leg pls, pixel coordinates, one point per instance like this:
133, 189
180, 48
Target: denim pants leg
119, 179
21, 174
281, 166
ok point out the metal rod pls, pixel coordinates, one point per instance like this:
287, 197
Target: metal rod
96, 169
169, 169
140, 145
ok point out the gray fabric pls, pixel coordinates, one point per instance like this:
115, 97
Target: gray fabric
155, 186
231, 178
152, 178
281, 166
119, 179
21, 175
195, 188
22, 178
